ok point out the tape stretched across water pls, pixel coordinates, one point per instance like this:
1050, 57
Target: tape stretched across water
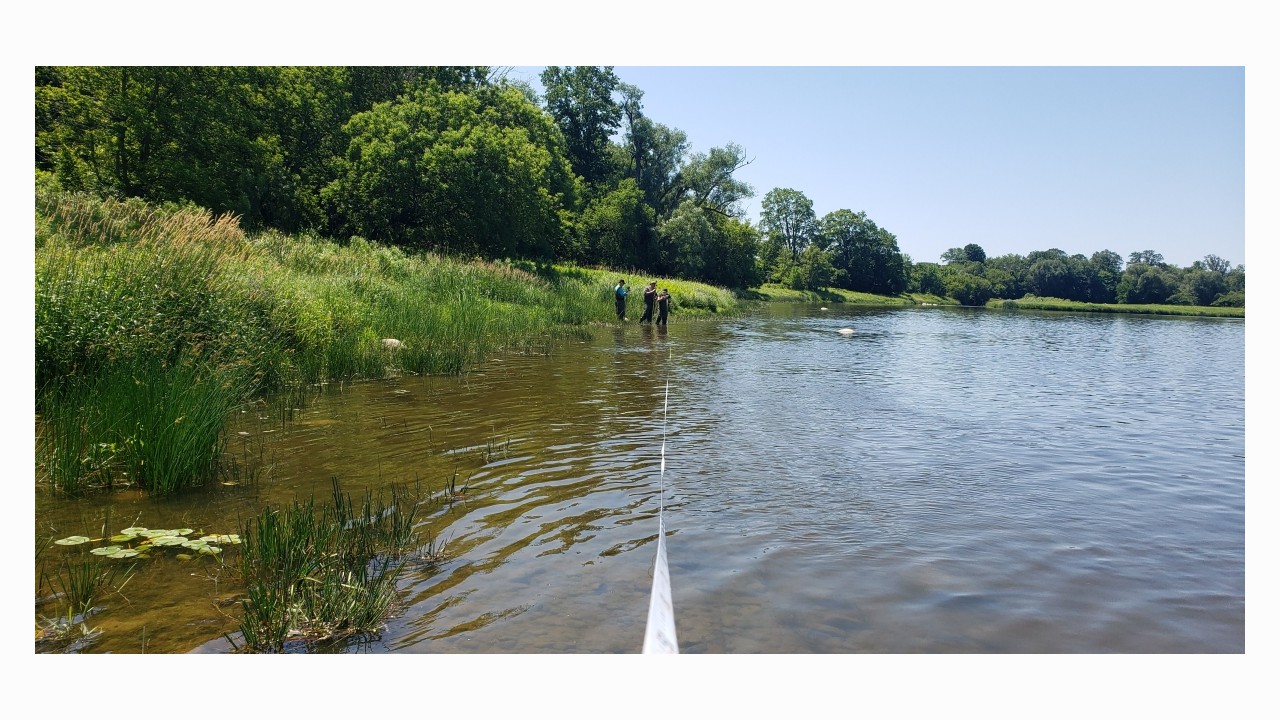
660, 632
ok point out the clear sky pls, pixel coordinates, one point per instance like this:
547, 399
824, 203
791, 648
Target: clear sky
1014, 159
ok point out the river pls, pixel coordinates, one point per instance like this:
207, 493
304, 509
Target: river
943, 480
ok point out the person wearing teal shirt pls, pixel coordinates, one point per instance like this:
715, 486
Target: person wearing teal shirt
620, 298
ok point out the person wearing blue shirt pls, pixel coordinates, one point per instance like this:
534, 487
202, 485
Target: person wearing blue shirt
620, 298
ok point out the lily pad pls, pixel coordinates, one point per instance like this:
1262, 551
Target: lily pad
133, 531
183, 556
183, 531
73, 540
108, 550
158, 533
122, 538
168, 540
210, 550
126, 552
193, 544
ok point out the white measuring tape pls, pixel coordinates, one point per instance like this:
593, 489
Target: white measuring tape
660, 632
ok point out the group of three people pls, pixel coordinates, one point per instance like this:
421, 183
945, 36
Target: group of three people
652, 297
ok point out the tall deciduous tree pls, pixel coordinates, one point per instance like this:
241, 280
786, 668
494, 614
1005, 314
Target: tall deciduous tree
707, 180
787, 219
580, 99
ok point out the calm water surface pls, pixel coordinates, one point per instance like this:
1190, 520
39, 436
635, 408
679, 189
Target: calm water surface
943, 481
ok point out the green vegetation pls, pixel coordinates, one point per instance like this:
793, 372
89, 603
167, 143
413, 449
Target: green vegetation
774, 292
1035, 303
323, 572
153, 323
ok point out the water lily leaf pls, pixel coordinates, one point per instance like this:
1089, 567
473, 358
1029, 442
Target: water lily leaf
134, 531
183, 531
73, 540
193, 544
168, 540
210, 550
121, 538
126, 552
232, 539
210, 538
108, 550
183, 556
157, 533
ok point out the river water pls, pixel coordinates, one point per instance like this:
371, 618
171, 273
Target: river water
944, 480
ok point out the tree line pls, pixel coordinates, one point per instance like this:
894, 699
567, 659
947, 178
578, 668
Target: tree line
458, 160
968, 275
465, 161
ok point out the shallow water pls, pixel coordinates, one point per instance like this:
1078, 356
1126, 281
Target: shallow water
944, 480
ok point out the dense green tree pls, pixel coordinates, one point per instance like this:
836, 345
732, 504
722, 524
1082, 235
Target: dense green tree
968, 289
1105, 268
928, 278
787, 219
866, 257
618, 229
1142, 283
974, 253
470, 173
580, 99
812, 270
1008, 275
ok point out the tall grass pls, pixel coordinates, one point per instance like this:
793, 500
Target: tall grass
319, 572
139, 306
141, 422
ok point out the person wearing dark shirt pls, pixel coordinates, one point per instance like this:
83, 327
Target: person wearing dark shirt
650, 298
664, 306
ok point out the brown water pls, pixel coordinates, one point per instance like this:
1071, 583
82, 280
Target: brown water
942, 481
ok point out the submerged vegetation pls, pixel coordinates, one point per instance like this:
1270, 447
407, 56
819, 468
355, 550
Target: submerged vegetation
153, 323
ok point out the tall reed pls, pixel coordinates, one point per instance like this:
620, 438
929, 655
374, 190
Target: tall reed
235, 317
319, 572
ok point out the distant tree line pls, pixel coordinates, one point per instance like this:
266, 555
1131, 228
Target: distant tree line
465, 161
968, 275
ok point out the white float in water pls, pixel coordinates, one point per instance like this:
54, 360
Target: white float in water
845, 331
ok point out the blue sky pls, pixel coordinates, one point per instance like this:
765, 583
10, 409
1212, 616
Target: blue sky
1014, 159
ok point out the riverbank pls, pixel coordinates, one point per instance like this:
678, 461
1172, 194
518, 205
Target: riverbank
1055, 304
773, 292
151, 323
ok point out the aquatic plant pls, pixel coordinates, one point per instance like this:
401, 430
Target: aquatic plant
320, 572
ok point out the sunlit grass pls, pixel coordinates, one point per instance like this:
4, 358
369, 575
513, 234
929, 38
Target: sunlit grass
1038, 303
152, 320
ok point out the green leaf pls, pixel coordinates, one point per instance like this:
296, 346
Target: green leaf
108, 550
73, 540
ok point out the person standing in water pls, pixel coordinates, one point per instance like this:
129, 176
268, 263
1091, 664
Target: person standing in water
664, 306
650, 298
620, 298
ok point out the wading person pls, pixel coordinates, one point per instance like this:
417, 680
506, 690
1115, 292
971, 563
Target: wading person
664, 306
620, 298
650, 297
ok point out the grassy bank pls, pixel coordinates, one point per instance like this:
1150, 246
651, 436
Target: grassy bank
773, 292
138, 307
1073, 306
